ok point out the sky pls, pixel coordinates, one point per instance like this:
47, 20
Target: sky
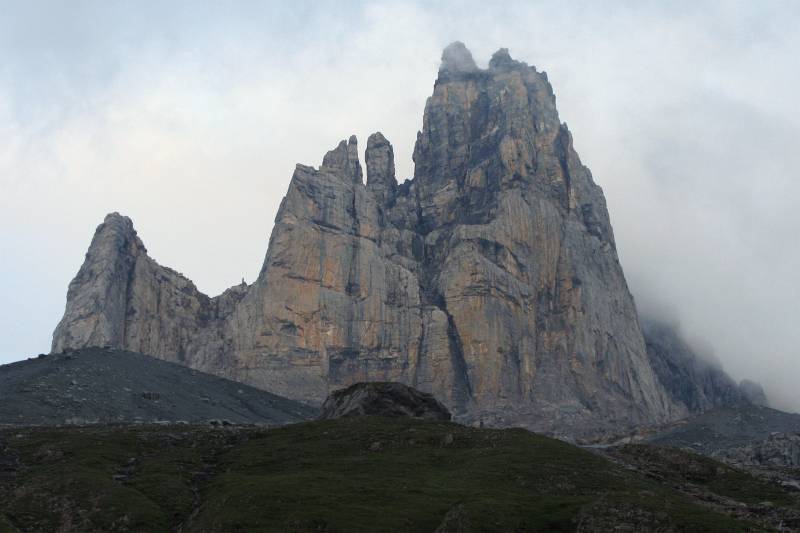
189, 117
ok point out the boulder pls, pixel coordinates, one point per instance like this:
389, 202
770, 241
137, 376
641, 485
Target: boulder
389, 399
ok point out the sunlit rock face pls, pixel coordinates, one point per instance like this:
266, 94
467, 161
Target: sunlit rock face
490, 279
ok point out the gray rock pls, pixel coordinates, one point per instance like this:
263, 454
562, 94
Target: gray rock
457, 59
343, 161
491, 279
381, 181
382, 399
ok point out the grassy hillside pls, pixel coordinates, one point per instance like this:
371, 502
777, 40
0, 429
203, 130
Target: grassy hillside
367, 474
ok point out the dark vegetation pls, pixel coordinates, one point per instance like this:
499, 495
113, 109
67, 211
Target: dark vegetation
364, 474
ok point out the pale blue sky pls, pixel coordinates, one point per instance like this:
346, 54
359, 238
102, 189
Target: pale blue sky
190, 116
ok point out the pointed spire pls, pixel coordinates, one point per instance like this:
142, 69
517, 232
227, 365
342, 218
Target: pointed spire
343, 161
381, 179
97, 296
119, 229
456, 59
502, 59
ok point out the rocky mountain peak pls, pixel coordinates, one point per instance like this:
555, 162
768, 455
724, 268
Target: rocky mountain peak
96, 297
343, 161
118, 230
502, 59
121, 221
493, 130
456, 58
489, 280
379, 158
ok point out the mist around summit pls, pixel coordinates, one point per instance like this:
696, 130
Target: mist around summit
685, 116
399, 266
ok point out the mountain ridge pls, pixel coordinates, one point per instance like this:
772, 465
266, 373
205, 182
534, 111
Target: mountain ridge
490, 279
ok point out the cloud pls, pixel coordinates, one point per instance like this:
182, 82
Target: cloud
190, 118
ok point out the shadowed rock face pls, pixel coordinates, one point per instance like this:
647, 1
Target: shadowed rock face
697, 382
383, 399
490, 279
694, 380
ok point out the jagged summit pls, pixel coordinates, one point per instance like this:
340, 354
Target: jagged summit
456, 58
502, 59
115, 226
343, 160
490, 279
379, 157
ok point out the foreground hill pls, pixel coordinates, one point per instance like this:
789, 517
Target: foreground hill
365, 474
104, 385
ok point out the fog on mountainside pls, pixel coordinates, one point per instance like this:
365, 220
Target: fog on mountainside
191, 124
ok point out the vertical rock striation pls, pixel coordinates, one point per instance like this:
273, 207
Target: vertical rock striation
490, 279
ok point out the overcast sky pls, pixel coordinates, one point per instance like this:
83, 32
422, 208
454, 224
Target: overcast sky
189, 118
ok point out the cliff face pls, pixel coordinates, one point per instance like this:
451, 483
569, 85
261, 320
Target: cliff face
121, 298
490, 279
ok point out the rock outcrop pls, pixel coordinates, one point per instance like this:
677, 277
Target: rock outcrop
389, 399
490, 279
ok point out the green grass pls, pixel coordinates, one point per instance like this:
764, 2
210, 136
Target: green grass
361, 474
409, 483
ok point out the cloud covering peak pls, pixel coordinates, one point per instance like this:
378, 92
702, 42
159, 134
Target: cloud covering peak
190, 118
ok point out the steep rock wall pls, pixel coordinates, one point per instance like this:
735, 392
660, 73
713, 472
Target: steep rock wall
490, 279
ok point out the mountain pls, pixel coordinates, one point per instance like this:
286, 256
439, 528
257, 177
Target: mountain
96, 385
491, 279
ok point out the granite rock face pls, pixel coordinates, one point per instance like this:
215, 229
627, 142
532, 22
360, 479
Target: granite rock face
390, 399
490, 279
